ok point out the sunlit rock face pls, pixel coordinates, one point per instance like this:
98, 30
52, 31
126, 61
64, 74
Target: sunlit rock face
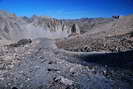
53, 27
16, 28
75, 31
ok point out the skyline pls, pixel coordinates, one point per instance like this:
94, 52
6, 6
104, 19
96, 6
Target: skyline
70, 9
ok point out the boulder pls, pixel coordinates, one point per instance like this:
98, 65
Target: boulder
21, 43
64, 81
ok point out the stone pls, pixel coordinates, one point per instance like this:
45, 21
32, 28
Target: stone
63, 80
21, 43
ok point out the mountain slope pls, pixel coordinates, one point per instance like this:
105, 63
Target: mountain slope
114, 36
15, 28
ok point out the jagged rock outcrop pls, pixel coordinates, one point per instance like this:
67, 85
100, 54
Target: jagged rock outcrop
74, 30
14, 28
52, 25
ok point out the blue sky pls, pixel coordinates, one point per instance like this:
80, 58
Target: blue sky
68, 9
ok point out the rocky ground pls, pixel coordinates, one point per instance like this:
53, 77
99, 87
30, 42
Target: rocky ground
88, 43
41, 65
46, 53
115, 36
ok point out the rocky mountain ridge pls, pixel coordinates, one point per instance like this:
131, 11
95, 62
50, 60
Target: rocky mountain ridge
14, 28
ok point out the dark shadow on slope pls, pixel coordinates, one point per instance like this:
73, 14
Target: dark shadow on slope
21, 42
121, 59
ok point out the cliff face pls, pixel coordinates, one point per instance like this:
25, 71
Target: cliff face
15, 28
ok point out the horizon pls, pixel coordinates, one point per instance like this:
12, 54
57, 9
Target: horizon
69, 9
